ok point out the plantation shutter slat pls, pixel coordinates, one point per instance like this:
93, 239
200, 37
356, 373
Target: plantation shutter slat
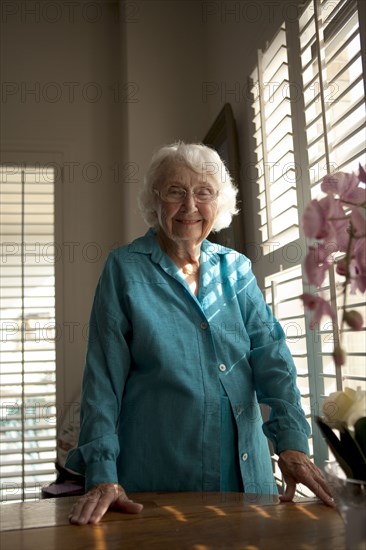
274, 144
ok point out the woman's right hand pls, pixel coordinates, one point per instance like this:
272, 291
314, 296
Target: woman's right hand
91, 507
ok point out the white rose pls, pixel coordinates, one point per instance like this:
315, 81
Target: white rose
345, 406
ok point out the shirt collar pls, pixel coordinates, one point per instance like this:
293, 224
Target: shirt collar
210, 258
148, 244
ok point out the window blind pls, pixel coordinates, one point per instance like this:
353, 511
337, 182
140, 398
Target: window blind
274, 144
28, 331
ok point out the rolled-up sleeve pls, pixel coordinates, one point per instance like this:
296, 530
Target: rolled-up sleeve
106, 369
274, 375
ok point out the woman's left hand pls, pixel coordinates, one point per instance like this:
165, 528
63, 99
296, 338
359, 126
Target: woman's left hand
296, 467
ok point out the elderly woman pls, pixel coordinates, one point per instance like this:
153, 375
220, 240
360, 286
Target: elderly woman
182, 351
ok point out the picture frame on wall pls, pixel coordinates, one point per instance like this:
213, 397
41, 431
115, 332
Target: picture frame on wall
223, 137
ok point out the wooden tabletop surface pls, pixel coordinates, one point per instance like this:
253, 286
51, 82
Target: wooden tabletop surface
174, 521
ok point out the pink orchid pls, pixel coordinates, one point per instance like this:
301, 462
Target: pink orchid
354, 269
341, 267
353, 276
346, 186
316, 264
340, 226
358, 222
360, 264
325, 219
319, 306
316, 218
337, 221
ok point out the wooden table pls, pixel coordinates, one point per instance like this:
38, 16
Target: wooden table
174, 521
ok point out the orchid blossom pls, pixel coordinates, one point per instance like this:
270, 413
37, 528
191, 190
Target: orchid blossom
336, 222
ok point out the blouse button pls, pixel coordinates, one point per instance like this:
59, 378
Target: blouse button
222, 367
244, 457
204, 325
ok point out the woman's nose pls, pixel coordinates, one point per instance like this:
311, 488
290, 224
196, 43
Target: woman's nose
189, 203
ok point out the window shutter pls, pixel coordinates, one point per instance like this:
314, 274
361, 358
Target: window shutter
335, 112
28, 331
331, 138
333, 87
274, 144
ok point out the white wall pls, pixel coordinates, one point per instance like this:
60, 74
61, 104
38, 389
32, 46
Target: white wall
164, 57
77, 125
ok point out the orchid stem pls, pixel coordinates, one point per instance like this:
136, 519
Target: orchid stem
347, 279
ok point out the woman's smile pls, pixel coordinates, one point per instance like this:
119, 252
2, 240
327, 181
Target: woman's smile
187, 222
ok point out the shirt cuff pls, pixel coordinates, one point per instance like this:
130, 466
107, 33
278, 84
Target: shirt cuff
292, 440
100, 472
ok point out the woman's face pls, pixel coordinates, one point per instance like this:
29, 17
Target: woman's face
188, 220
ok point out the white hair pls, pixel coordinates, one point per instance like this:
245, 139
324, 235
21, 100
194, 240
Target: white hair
202, 160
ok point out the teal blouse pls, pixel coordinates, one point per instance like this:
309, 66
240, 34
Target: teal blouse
173, 382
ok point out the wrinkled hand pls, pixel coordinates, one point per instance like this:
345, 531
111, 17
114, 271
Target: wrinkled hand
92, 506
296, 468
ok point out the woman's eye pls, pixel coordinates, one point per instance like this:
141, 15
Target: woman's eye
204, 192
175, 191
